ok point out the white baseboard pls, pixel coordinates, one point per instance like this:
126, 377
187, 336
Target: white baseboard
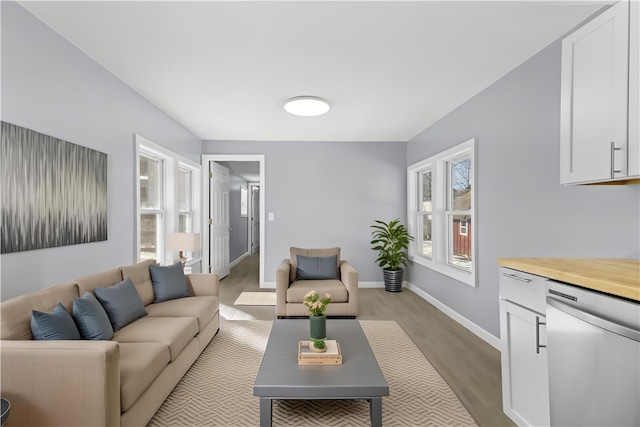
370, 284
268, 285
240, 258
480, 332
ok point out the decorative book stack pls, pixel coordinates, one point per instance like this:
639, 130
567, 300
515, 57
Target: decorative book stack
333, 355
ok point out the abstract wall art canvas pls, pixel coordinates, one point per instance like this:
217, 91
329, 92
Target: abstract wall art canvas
53, 192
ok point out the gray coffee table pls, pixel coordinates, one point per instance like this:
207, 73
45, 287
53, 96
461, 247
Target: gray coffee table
280, 377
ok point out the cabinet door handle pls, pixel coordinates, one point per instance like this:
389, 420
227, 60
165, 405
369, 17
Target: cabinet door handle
613, 159
513, 276
538, 346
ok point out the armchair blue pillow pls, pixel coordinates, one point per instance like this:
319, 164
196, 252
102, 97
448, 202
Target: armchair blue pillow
317, 268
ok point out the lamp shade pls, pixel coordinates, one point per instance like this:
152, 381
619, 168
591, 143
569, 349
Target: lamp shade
187, 242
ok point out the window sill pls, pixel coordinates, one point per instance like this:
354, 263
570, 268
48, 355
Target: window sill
455, 273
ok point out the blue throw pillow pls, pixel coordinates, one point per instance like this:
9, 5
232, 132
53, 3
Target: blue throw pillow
122, 303
168, 282
317, 268
93, 322
57, 325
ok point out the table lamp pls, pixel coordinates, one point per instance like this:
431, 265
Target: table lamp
183, 242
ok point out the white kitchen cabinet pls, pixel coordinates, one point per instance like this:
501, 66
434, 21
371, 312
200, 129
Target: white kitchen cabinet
599, 99
525, 381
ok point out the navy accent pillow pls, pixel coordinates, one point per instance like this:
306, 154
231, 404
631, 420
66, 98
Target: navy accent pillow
168, 282
57, 325
93, 322
122, 303
317, 268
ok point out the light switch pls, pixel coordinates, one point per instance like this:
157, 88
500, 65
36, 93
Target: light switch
272, 216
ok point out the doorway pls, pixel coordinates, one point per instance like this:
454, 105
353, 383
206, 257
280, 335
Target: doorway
254, 218
256, 211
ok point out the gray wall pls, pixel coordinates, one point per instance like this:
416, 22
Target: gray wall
522, 210
326, 194
50, 86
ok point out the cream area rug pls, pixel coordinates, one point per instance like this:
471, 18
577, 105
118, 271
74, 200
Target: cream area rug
218, 389
256, 298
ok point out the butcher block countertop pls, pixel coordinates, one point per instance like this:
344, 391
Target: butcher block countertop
616, 276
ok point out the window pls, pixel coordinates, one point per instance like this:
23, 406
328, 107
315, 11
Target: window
441, 198
463, 227
185, 199
151, 206
425, 213
168, 199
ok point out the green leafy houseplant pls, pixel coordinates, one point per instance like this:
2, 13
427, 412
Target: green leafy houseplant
391, 240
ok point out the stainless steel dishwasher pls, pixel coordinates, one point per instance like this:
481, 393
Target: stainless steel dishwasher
593, 347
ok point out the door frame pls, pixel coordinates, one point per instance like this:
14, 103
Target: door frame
206, 158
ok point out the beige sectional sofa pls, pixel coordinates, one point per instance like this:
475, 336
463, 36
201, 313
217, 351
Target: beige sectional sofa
121, 382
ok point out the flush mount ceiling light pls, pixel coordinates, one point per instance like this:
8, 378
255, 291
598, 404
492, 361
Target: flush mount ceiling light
306, 106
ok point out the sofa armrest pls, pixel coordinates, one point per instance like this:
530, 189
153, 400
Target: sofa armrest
349, 276
282, 284
200, 284
61, 383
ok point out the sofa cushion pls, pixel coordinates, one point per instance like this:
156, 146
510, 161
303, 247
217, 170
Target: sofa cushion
293, 260
168, 282
15, 313
57, 325
174, 332
122, 303
140, 364
298, 289
203, 308
91, 319
99, 280
316, 268
141, 278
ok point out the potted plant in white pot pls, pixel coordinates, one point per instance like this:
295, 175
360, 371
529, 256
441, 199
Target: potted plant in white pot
391, 240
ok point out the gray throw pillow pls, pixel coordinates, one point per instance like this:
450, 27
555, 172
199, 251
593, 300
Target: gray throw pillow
317, 268
57, 325
93, 322
122, 303
168, 282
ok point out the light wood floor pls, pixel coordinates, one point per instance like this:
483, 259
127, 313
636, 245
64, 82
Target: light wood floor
468, 364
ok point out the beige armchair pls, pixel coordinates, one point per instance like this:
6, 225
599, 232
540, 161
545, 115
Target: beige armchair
292, 284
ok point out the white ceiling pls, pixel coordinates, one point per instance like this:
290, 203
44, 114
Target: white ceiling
389, 69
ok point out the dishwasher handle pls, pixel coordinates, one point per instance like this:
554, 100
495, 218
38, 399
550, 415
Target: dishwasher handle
594, 319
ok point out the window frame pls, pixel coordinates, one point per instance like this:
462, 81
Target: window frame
182, 167
159, 211
442, 232
171, 164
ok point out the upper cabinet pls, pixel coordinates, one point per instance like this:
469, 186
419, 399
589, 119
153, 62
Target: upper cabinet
599, 98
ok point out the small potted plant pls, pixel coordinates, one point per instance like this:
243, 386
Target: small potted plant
318, 346
317, 318
391, 240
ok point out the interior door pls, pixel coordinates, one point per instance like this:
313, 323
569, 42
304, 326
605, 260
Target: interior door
219, 220
255, 219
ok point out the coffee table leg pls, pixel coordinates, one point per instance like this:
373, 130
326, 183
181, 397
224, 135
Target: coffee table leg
265, 411
375, 409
